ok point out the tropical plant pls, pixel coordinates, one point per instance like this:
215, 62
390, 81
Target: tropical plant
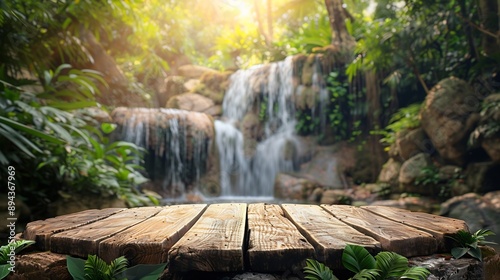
385, 265
405, 118
315, 270
94, 268
468, 243
40, 128
6, 251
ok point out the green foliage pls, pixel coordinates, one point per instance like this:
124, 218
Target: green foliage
306, 123
41, 132
489, 127
385, 265
406, 118
94, 268
343, 121
16, 246
431, 177
468, 243
356, 258
315, 270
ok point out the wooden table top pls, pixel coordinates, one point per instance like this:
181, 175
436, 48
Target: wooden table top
239, 236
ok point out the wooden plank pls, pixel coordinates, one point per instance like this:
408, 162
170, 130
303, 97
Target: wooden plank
149, 241
393, 236
84, 240
438, 226
274, 243
42, 230
214, 243
328, 235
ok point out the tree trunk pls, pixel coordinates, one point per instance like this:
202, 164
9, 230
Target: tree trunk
489, 10
337, 16
260, 24
270, 20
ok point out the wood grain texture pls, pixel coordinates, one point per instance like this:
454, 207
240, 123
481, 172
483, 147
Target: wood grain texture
393, 236
84, 240
274, 243
42, 230
149, 241
214, 243
438, 226
327, 234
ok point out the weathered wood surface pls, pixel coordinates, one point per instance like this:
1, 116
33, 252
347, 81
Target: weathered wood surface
214, 243
273, 237
42, 230
214, 238
438, 226
84, 240
150, 240
393, 236
328, 234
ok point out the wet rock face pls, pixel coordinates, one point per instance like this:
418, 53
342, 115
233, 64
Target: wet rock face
177, 144
444, 118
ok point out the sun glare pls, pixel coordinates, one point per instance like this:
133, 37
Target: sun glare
241, 5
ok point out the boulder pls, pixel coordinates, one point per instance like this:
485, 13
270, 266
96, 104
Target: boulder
483, 177
444, 118
412, 168
336, 197
289, 187
191, 85
390, 172
412, 142
479, 212
190, 102
191, 71
488, 128
213, 85
172, 86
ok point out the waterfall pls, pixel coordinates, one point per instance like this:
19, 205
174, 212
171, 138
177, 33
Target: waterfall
243, 175
177, 149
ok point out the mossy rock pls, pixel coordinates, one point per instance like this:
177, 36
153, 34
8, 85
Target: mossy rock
308, 70
214, 85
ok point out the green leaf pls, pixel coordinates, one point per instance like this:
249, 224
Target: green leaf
315, 270
117, 266
73, 105
459, 252
356, 258
476, 253
367, 274
391, 264
76, 267
29, 130
416, 273
4, 270
108, 127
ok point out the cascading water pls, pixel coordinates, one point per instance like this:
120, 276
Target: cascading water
254, 175
177, 149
